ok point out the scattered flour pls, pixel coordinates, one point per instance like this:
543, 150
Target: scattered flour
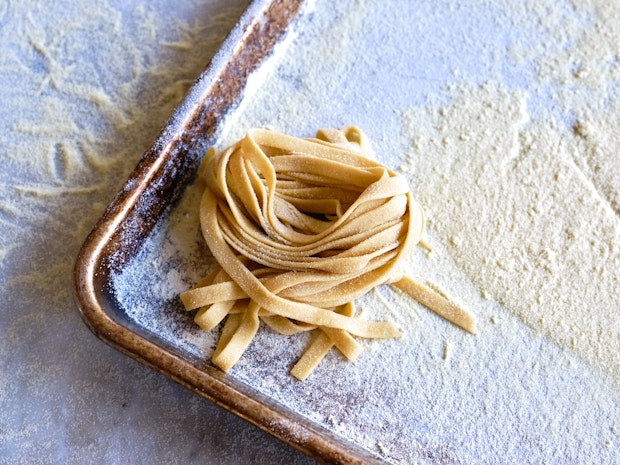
522, 218
504, 117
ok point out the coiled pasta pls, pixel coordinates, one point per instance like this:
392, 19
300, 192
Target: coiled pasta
300, 228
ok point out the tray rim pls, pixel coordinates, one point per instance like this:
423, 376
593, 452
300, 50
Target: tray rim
261, 27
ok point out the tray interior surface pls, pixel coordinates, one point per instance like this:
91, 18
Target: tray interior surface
438, 395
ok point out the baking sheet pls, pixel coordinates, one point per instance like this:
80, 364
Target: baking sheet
439, 395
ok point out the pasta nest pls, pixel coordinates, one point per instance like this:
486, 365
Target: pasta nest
300, 228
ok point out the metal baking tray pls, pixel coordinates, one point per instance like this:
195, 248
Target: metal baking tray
439, 395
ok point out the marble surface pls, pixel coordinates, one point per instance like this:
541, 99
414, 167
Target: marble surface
85, 90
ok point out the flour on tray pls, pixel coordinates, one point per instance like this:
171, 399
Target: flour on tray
510, 144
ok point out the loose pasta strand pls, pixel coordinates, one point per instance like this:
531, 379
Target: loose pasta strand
438, 303
300, 228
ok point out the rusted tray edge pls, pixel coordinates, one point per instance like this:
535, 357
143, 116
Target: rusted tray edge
161, 173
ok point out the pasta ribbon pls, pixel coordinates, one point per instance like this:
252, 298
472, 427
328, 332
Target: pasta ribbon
300, 228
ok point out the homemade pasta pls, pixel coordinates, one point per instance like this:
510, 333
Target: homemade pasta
300, 228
